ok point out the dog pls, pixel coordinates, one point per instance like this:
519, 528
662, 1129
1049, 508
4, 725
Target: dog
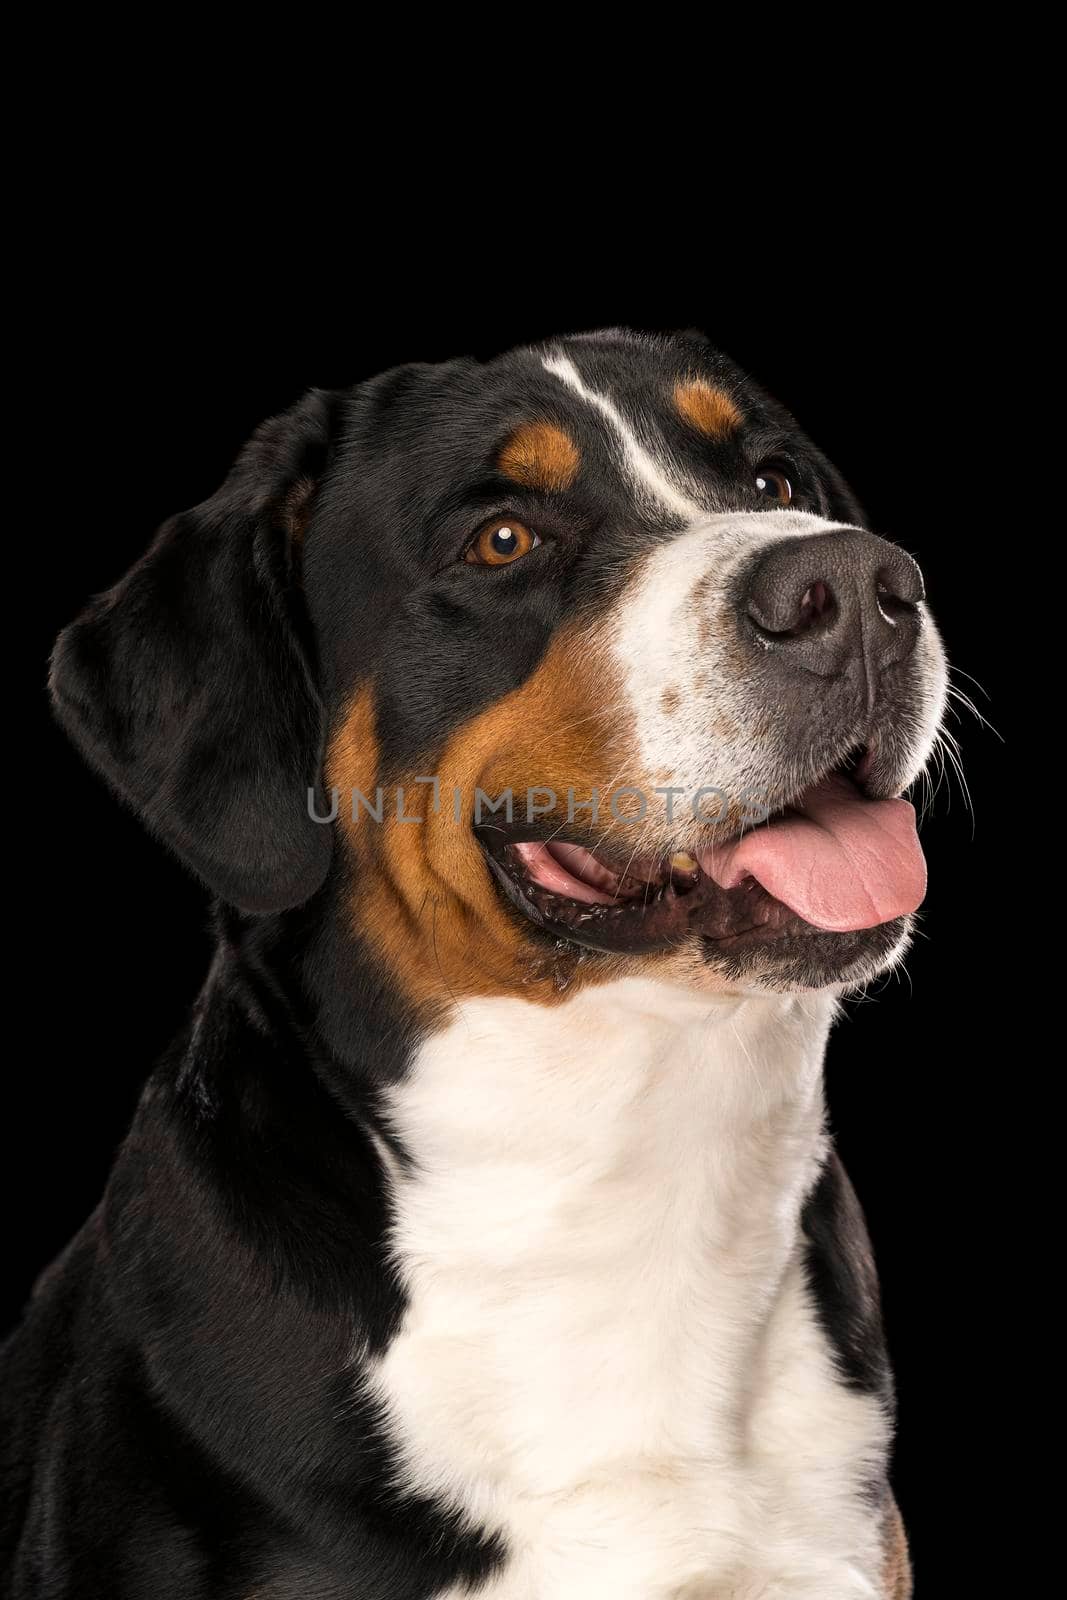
540, 728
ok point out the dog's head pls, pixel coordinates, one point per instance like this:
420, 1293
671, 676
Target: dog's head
586, 653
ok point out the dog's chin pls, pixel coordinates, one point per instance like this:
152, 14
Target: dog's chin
806, 958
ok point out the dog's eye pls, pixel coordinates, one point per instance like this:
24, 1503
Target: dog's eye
502, 541
773, 483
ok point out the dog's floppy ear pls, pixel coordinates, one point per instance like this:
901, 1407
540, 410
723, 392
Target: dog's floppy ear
190, 684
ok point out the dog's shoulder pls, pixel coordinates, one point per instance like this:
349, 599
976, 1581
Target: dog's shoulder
186, 1386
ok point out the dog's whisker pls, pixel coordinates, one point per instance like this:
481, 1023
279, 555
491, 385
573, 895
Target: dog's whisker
489, 1194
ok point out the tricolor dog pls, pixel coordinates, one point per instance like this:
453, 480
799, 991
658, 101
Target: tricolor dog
540, 728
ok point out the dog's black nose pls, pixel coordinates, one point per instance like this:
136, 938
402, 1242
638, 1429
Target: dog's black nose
826, 600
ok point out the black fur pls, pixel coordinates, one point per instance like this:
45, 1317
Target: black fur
844, 1283
190, 685
183, 1404
186, 1411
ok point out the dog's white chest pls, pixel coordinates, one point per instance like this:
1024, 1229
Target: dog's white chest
599, 1243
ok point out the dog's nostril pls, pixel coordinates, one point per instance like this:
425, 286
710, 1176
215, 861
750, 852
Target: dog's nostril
896, 600
815, 604
823, 601
780, 616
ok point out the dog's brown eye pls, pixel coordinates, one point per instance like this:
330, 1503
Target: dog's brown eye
502, 541
775, 485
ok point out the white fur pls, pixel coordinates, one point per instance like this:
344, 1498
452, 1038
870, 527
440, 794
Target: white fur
609, 1355
656, 641
712, 735
656, 480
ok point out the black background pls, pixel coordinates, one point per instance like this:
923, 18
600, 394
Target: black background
156, 356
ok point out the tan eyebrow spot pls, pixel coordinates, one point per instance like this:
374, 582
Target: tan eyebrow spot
710, 410
540, 455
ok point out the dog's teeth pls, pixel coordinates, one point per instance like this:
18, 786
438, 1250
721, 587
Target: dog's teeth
683, 862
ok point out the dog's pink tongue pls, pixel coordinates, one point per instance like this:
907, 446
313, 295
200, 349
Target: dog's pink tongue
845, 863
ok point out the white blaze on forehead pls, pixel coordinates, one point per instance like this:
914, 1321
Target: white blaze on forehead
649, 476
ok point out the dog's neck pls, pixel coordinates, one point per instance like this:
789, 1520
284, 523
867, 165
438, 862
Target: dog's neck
631, 1070
604, 1104
537, 1128
635, 1159
605, 1060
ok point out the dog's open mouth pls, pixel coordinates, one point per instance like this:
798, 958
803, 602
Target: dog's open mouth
834, 861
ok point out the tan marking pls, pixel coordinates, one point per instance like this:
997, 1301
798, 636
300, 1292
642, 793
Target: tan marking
709, 410
670, 700
422, 900
539, 455
896, 1573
